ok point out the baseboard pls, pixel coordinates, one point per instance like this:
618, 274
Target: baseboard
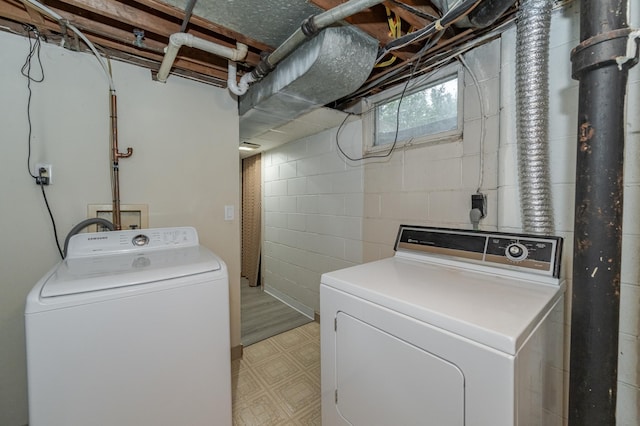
289, 301
236, 352
316, 317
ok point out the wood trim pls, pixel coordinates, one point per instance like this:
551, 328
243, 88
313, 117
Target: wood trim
236, 352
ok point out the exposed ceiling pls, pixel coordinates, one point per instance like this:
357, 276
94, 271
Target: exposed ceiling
138, 31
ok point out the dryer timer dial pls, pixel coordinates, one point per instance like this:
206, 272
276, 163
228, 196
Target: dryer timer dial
516, 252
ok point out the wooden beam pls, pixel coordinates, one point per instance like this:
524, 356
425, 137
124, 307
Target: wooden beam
121, 13
15, 12
203, 23
408, 17
125, 38
372, 21
423, 5
34, 13
137, 18
180, 63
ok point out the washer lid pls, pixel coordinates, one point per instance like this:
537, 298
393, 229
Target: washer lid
95, 273
496, 310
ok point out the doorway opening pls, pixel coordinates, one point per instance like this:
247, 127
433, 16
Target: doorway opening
261, 314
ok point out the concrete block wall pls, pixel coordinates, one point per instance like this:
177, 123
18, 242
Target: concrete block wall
313, 211
432, 184
563, 119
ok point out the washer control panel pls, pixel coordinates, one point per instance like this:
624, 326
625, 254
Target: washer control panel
89, 244
530, 253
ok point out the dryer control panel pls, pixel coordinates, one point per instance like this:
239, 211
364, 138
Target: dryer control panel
530, 253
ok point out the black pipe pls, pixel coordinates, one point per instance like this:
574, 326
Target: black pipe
598, 211
488, 12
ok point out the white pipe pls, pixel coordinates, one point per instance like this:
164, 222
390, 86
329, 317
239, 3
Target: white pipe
61, 20
235, 87
320, 21
247, 79
177, 40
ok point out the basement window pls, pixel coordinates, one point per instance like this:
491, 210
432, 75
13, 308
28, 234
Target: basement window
428, 111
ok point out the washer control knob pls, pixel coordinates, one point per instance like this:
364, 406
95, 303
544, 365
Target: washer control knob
516, 252
140, 240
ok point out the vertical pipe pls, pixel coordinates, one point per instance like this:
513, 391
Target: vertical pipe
188, 10
114, 159
598, 213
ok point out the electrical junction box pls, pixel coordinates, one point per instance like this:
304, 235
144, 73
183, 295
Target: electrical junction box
132, 216
479, 201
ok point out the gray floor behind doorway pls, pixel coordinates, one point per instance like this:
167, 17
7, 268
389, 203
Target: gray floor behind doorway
263, 316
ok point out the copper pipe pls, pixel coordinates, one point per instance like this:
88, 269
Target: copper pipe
115, 157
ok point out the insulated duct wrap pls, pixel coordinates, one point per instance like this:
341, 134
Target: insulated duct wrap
483, 15
327, 67
532, 110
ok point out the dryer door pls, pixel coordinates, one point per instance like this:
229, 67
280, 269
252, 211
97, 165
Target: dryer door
382, 380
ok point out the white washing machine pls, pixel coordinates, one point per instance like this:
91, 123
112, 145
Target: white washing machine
458, 328
132, 328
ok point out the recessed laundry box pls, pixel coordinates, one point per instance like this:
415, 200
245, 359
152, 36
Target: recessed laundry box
458, 328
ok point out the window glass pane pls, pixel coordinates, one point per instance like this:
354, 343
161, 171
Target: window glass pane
428, 111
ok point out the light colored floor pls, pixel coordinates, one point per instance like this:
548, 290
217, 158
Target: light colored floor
277, 381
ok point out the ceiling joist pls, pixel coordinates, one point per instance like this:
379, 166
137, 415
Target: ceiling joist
114, 25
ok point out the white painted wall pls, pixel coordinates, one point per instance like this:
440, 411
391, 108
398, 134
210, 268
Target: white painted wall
431, 185
312, 214
185, 163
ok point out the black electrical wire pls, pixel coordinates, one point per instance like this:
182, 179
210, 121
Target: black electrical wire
53, 222
395, 138
415, 61
415, 11
414, 67
34, 50
459, 10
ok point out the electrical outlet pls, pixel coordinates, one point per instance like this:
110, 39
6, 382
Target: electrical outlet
42, 171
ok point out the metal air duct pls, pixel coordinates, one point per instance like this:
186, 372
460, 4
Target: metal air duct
326, 67
532, 111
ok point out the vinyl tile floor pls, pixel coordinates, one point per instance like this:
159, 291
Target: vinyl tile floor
277, 381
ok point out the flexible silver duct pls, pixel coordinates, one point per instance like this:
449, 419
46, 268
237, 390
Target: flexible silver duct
532, 91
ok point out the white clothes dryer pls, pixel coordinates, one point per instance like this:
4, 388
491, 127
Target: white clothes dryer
459, 328
132, 328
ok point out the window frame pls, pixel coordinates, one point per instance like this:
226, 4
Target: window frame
371, 103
